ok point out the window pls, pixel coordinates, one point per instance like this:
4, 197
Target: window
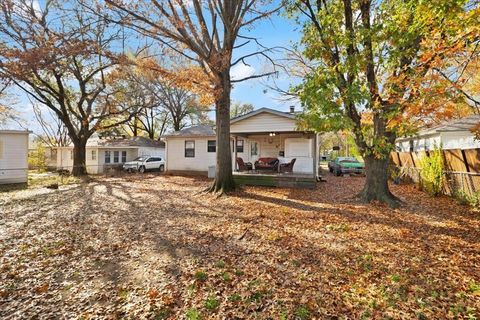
107, 156
190, 149
240, 146
211, 146
115, 156
94, 155
124, 156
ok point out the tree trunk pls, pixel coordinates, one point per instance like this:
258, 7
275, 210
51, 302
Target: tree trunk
376, 183
79, 155
223, 172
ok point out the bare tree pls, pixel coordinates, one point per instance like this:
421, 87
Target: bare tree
61, 56
239, 109
207, 32
7, 112
180, 104
54, 133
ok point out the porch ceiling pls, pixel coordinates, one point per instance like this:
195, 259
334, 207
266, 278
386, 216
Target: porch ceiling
257, 133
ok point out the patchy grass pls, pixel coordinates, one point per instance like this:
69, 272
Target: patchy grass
154, 247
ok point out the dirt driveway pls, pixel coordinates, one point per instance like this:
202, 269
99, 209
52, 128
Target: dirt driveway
156, 248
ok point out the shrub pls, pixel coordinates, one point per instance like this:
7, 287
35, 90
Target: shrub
37, 159
473, 200
432, 172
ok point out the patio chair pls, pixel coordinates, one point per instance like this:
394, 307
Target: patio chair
267, 164
243, 166
287, 167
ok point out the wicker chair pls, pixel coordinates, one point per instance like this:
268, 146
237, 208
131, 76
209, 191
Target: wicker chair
243, 166
288, 167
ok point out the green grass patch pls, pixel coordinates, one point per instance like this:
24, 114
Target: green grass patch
201, 276
302, 313
193, 314
211, 303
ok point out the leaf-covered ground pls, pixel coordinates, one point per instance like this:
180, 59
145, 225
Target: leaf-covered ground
156, 248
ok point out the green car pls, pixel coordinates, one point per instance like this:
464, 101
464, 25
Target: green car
342, 165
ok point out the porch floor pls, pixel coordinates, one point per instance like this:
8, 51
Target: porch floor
275, 179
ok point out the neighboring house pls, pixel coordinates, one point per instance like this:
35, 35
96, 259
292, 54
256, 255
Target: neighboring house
102, 153
454, 134
258, 134
13, 156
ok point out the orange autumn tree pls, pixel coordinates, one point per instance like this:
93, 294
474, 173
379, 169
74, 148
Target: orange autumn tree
376, 57
60, 57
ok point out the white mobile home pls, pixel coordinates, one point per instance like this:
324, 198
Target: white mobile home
263, 135
102, 153
454, 134
13, 156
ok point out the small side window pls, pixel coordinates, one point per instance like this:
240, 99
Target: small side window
108, 157
211, 146
190, 149
239, 146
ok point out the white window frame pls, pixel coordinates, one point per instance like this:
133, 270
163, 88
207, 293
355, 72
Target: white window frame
109, 153
94, 155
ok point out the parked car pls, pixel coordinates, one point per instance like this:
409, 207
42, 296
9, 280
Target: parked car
342, 165
144, 163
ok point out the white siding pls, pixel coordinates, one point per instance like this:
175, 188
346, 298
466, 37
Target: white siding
176, 159
459, 140
268, 147
65, 160
151, 151
447, 140
302, 150
264, 122
132, 153
94, 166
13, 158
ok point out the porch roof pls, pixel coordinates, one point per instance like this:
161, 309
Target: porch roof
261, 133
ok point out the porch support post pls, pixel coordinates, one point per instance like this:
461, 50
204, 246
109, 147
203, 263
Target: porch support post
315, 150
235, 138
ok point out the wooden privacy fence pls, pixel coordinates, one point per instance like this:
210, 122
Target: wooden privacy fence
462, 168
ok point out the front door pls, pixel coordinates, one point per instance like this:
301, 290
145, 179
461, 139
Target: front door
254, 151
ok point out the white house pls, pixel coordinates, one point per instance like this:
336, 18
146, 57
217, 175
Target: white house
110, 152
259, 134
454, 134
13, 156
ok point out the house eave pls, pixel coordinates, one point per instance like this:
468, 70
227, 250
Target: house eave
258, 111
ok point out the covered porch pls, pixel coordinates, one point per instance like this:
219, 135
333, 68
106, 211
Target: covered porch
269, 150
283, 159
